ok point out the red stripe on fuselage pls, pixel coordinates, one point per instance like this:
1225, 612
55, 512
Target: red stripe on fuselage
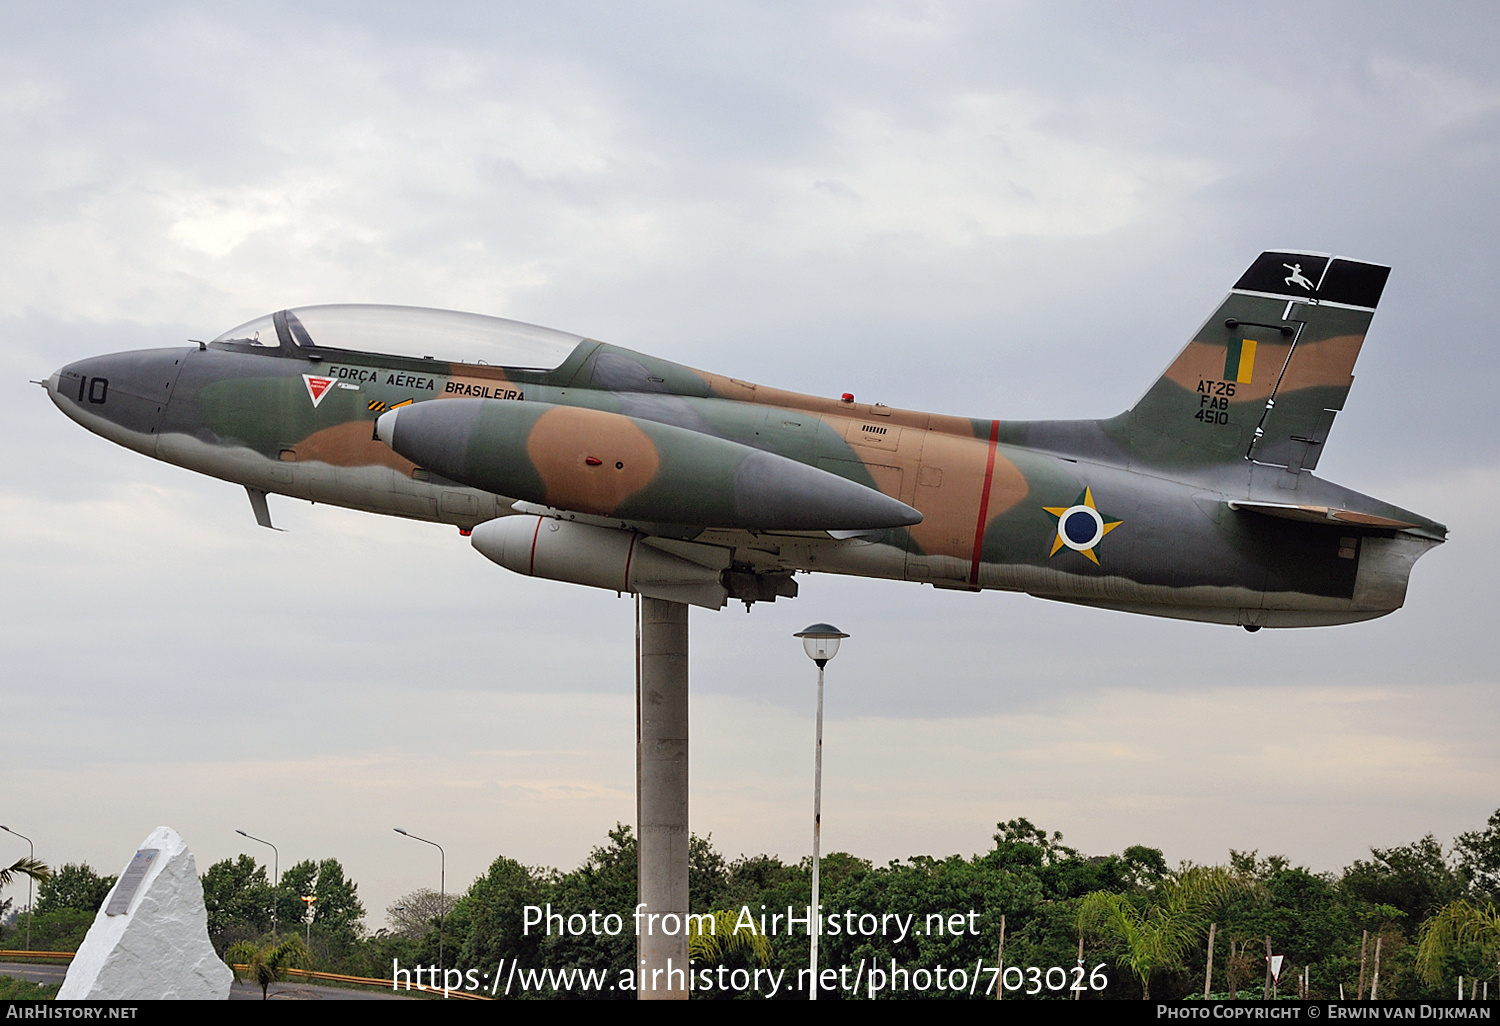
984, 505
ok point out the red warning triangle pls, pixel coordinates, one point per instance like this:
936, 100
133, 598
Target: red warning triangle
317, 388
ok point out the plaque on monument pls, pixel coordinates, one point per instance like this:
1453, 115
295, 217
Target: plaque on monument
130, 882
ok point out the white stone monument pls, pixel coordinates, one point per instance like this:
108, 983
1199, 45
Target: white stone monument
150, 940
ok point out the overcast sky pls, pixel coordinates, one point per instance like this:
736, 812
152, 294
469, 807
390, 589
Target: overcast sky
991, 210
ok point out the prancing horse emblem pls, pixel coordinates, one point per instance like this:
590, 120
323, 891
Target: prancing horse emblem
1296, 277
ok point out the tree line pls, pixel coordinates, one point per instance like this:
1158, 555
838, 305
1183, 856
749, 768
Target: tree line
1427, 914
241, 903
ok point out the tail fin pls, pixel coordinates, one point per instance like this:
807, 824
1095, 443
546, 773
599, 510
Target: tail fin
1266, 374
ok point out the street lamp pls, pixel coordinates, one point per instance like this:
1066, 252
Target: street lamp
275, 874
821, 643
30, 912
442, 885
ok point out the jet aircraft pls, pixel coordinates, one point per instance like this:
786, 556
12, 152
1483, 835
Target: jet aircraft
568, 458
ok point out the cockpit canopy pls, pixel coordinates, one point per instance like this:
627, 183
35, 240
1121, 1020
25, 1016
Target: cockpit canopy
409, 331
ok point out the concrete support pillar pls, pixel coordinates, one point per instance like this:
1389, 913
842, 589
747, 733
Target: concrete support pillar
662, 798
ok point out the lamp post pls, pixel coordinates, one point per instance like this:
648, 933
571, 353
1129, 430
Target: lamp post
821, 643
30, 912
275, 874
442, 885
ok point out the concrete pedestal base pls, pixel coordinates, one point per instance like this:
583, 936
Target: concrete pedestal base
662, 798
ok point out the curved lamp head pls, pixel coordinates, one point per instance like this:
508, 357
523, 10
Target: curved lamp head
820, 642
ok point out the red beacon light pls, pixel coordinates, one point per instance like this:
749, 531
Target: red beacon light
847, 397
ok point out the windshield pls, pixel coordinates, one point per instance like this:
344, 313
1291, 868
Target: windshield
413, 332
259, 332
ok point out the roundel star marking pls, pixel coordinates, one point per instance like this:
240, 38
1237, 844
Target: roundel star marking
1081, 526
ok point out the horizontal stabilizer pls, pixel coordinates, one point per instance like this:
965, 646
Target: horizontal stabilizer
1320, 515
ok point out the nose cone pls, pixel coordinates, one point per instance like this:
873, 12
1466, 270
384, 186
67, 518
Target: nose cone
120, 396
68, 387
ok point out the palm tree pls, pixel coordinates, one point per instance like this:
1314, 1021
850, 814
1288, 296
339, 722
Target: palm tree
38, 871
1451, 927
725, 940
1158, 931
267, 964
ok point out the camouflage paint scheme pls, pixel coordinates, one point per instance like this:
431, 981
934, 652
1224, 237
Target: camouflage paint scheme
1198, 503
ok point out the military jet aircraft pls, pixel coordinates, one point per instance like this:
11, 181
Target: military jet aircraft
571, 459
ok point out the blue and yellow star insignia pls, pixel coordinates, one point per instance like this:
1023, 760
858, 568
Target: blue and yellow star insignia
1081, 526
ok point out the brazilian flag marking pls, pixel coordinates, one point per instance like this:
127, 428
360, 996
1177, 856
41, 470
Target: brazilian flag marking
1239, 361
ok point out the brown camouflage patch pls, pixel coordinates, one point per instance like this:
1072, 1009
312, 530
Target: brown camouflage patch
347, 445
1329, 362
589, 460
948, 493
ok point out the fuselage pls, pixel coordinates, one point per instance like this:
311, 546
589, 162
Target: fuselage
1062, 510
